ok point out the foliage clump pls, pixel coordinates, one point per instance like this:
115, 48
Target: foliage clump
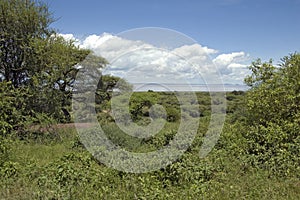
273, 114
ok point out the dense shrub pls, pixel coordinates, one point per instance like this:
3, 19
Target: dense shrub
273, 114
4, 150
12, 108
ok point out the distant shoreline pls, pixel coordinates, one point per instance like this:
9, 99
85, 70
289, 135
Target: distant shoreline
139, 87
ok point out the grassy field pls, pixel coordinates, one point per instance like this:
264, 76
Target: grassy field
55, 165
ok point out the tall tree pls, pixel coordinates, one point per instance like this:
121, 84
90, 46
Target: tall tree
35, 62
21, 22
53, 78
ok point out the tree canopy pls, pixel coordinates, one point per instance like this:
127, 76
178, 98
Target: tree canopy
37, 65
21, 23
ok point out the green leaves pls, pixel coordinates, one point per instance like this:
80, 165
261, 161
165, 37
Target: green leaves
273, 110
261, 73
39, 65
20, 22
275, 92
52, 80
12, 108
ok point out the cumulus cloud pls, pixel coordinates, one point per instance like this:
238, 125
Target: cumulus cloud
226, 59
67, 36
139, 61
194, 51
111, 47
95, 41
232, 66
71, 37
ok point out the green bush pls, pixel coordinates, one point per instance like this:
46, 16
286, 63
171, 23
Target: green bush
4, 150
12, 110
9, 170
275, 147
273, 110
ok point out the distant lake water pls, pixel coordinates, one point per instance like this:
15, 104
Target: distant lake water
139, 87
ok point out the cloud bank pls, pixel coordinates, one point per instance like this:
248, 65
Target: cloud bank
138, 61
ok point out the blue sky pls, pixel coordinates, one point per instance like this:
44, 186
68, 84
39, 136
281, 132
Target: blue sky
238, 30
262, 28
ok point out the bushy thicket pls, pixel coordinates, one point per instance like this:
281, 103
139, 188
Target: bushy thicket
271, 125
231, 170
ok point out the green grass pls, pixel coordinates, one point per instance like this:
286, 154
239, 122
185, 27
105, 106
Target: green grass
42, 154
43, 170
56, 166
44, 151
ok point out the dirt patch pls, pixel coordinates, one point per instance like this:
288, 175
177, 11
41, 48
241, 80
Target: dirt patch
40, 128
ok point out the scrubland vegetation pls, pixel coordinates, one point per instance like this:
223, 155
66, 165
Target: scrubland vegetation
256, 156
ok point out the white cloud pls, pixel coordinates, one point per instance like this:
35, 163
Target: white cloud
233, 66
236, 65
226, 59
111, 47
95, 41
141, 62
194, 51
67, 36
70, 36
